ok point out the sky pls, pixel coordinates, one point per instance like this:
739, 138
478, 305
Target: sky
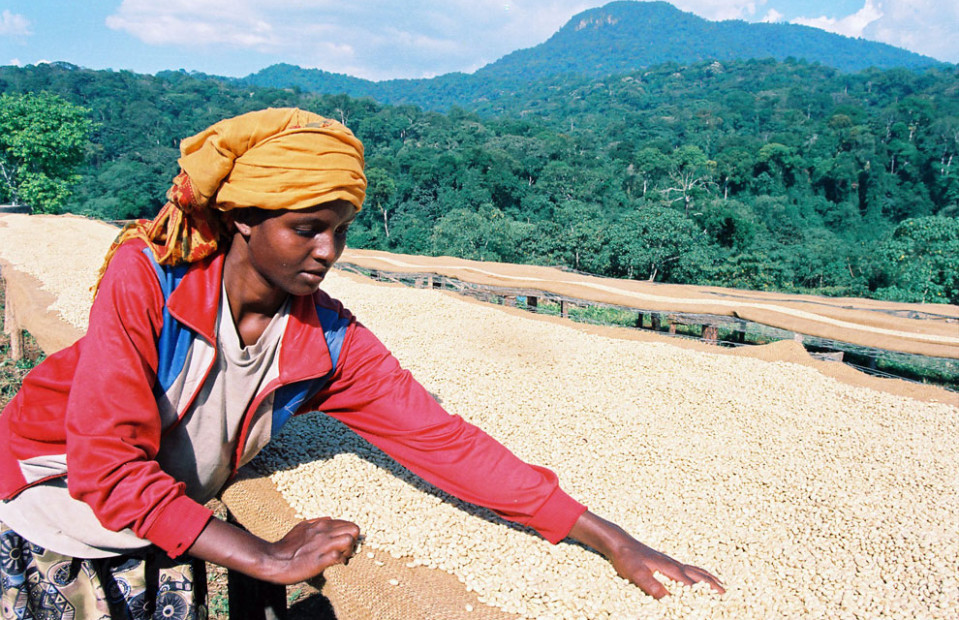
385, 39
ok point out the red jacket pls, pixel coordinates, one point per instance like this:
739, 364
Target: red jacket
93, 406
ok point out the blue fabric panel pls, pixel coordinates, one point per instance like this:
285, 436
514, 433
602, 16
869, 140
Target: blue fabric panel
175, 338
289, 398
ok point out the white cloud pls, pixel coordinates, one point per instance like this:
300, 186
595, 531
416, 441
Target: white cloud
721, 9
772, 16
381, 39
179, 22
850, 25
14, 24
376, 39
925, 26
928, 27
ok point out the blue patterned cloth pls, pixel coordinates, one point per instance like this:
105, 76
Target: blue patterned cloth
39, 584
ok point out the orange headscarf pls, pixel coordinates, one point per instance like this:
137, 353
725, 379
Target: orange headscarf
279, 158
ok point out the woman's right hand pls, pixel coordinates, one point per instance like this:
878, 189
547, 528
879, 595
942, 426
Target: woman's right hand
310, 548
307, 550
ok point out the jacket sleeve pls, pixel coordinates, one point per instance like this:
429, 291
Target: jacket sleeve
112, 422
383, 403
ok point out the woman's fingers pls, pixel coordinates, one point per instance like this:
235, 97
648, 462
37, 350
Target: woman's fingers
689, 575
650, 585
699, 575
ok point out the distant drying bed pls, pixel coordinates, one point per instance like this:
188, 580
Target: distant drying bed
808, 497
63, 253
864, 322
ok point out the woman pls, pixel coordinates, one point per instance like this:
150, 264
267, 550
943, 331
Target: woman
207, 332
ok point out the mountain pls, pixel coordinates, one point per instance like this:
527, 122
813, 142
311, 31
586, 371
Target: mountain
625, 36
620, 37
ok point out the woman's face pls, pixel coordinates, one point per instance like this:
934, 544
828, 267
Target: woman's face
292, 250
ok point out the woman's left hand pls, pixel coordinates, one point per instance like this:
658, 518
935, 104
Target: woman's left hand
635, 561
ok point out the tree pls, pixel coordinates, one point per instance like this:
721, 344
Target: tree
921, 261
43, 138
581, 237
647, 243
689, 174
379, 193
484, 235
650, 164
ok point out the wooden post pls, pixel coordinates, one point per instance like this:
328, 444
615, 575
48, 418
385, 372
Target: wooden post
563, 309
531, 303
509, 300
419, 282
639, 319
672, 329
655, 321
12, 327
710, 333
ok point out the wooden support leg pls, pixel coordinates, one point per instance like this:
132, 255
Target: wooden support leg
531, 303
252, 599
710, 333
655, 320
509, 300
12, 327
564, 309
639, 320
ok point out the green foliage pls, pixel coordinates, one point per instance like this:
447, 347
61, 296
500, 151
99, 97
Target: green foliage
43, 138
920, 261
467, 234
650, 243
757, 174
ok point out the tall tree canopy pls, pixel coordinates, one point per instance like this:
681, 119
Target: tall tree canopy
43, 138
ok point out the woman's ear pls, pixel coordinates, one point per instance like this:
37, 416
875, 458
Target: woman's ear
243, 220
242, 227
238, 224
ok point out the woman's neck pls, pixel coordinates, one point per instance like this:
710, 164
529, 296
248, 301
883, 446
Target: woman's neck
253, 301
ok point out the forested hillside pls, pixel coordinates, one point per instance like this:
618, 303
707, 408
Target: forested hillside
756, 174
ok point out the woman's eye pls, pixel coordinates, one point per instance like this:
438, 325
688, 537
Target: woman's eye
342, 230
304, 232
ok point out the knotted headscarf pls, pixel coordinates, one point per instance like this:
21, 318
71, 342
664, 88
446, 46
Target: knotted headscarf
279, 158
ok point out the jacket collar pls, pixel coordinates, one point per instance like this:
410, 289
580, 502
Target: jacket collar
195, 301
304, 353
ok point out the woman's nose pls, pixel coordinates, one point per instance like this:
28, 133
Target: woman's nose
324, 248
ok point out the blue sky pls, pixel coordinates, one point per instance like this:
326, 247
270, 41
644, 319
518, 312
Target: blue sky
382, 39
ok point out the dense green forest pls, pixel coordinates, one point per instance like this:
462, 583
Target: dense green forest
755, 174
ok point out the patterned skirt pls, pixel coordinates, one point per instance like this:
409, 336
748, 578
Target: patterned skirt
40, 584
